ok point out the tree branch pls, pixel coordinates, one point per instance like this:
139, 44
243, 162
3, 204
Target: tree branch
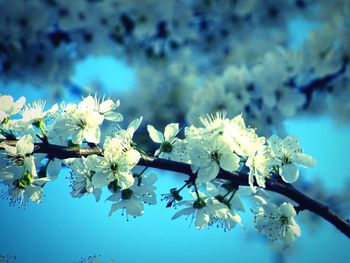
304, 202
320, 84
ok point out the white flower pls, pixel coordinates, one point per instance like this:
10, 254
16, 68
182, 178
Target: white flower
233, 201
259, 166
244, 141
209, 155
126, 135
208, 211
132, 199
82, 123
22, 188
277, 222
20, 155
288, 154
33, 114
116, 164
196, 209
215, 123
80, 179
167, 140
102, 106
8, 107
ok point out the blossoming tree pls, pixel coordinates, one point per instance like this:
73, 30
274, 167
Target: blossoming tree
224, 99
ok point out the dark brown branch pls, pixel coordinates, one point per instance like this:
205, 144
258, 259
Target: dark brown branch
320, 84
304, 202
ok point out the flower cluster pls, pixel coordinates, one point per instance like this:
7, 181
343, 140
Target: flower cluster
276, 222
223, 145
219, 150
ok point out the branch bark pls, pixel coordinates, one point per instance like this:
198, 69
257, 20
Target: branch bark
304, 202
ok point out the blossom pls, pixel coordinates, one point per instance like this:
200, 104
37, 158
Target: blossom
81, 179
33, 114
287, 155
244, 141
116, 163
131, 199
198, 210
20, 155
210, 154
82, 123
225, 194
167, 141
104, 107
9, 107
208, 211
22, 188
126, 135
259, 166
276, 222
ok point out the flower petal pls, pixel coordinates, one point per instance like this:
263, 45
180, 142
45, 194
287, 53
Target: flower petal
170, 132
115, 207
107, 105
304, 159
289, 172
229, 162
205, 174
126, 180
113, 116
155, 135
134, 207
25, 145
100, 180
184, 212
202, 219
30, 165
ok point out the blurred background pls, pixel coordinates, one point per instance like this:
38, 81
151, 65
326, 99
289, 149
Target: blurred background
283, 64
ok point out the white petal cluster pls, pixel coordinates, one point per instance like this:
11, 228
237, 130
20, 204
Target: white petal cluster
221, 146
132, 199
20, 155
82, 122
207, 211
287, 154
276, 222
33, 114
221, 143
19, 174
118, 159
80, 178
9, 107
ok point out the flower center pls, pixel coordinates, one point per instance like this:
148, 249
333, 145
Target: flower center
114, 167
284, 220
286, 159
199, 203
18, 159
82, 123
166, 147
127, 194
215, 155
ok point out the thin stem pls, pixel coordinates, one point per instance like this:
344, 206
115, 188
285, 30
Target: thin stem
232, 195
